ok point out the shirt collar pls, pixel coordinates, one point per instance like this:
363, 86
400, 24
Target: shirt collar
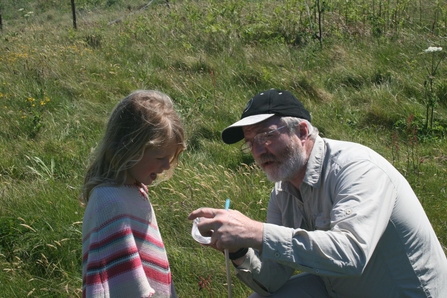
315, 163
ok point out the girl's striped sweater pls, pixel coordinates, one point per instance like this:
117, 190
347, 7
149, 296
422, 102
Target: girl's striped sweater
123, 254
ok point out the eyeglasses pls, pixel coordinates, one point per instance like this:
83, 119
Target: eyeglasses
263, 138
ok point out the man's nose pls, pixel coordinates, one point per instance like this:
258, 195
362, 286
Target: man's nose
258, 149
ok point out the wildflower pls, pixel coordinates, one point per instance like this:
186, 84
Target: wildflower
42, 102
21, 9
433, 49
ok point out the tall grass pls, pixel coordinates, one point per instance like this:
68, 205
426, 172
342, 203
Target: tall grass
58, 86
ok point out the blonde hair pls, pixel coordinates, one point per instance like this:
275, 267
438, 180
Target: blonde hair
145, 119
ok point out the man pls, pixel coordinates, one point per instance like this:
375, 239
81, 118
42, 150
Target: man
339, 212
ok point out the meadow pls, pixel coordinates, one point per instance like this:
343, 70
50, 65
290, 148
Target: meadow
370, 71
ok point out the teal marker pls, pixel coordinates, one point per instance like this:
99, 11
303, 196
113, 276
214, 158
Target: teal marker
227, 204
227, 259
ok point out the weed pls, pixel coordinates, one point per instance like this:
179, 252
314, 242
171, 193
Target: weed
431, 97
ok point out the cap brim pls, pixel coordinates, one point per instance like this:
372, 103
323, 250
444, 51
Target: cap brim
234, 132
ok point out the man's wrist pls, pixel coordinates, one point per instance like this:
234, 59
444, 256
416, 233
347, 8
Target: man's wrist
238, 254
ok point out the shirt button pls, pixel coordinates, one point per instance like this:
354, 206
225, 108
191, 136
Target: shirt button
317, 271
348, 211
277, 254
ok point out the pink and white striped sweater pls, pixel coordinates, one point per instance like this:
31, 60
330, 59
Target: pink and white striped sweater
123, 254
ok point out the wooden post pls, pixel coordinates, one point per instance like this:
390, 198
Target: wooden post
73, 10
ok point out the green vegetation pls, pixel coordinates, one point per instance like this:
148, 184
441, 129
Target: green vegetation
359, 66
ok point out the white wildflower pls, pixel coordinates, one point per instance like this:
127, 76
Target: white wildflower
433, 49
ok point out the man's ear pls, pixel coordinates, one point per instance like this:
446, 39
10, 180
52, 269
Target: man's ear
302, 131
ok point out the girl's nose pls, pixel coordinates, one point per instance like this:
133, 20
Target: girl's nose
166, 164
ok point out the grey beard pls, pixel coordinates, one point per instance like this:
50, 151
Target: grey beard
293, 162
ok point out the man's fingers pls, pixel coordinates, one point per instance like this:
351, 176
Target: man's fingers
206, 227
202, 212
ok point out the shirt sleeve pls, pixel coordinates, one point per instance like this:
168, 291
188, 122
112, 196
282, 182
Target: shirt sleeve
263, 275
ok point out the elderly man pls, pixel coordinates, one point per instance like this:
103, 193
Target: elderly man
339, 212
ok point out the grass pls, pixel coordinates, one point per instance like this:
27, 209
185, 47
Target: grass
363, 83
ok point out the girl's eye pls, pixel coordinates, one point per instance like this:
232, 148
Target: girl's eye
164, 158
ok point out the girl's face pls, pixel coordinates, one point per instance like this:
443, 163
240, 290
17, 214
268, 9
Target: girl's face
154, 162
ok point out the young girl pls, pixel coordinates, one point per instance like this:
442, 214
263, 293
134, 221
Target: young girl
123, 254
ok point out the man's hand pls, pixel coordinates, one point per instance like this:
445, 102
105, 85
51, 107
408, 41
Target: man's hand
229, 229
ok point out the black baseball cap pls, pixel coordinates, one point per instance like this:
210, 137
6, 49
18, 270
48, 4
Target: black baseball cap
263, 106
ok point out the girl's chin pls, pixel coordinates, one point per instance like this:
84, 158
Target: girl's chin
150, 179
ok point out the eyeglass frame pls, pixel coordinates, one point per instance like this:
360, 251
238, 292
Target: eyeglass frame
261, 139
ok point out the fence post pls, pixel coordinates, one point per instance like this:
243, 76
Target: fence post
73, 10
